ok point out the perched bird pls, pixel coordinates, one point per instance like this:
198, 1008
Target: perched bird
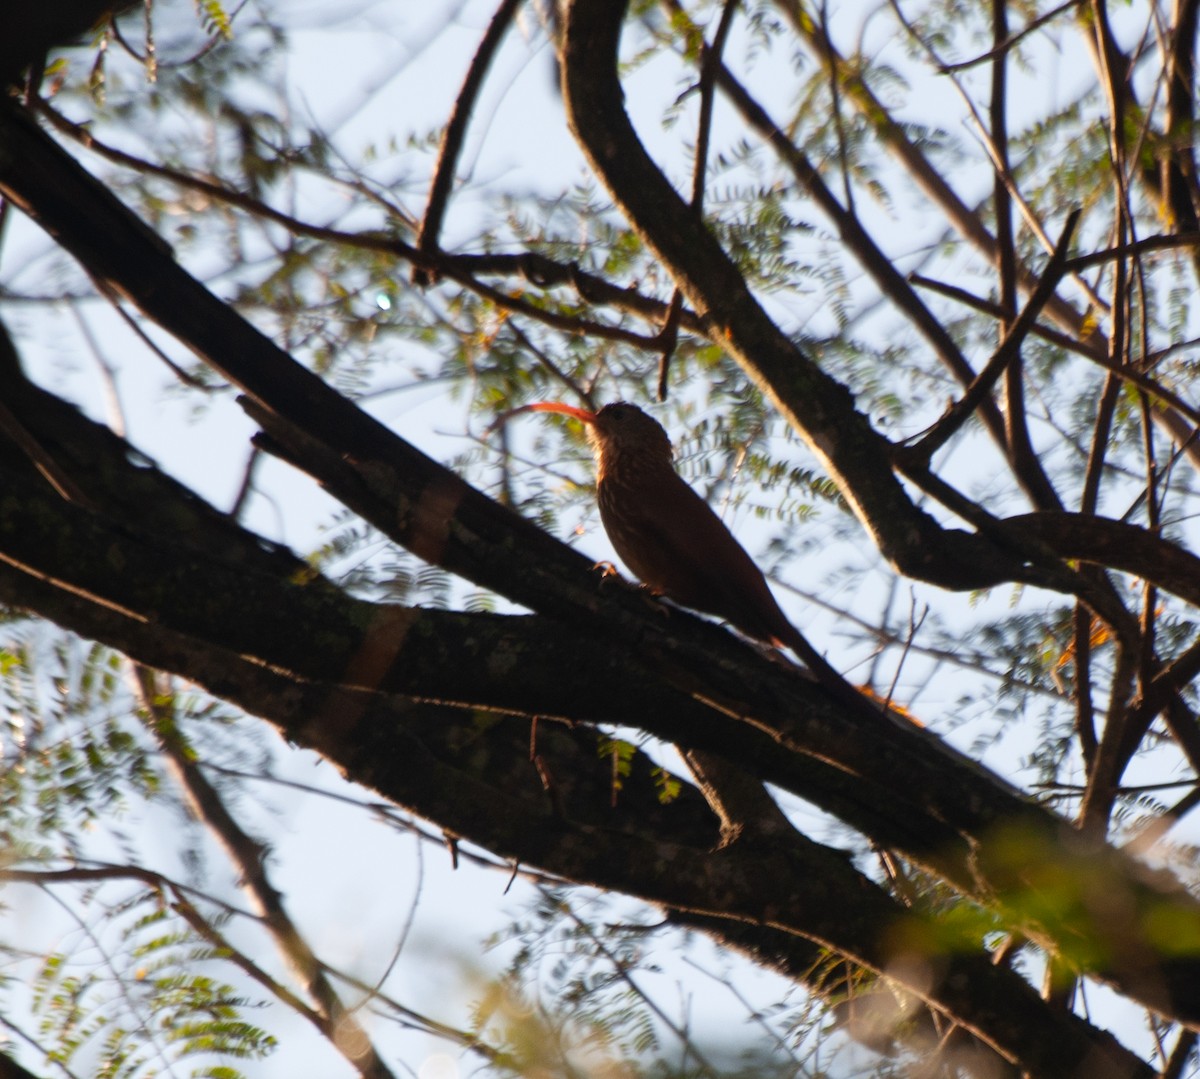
670, 537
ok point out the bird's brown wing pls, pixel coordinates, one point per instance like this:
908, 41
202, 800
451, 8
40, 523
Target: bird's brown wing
675, 544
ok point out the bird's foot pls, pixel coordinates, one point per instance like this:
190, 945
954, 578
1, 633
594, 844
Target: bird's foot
610, 576
654, 602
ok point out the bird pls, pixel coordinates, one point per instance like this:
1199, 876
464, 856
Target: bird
672, 540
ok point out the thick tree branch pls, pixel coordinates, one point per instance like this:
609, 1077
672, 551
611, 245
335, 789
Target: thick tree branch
441, 519
1115, 545
795, 889
890, 281
304, 626
181, 603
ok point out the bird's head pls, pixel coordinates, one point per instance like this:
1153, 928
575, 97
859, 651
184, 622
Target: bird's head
619, 431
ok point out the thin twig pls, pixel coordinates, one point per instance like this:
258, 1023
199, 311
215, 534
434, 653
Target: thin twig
621, 969
930, 180
710, 62
990, 148
456, 128
542, 358
1010, 41
459, 268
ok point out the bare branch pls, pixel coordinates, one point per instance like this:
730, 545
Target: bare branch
452, 137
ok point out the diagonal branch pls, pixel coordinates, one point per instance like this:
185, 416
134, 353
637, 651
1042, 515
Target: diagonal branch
801, 889
882, 270
817, 406
333, 1018
1008, 353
